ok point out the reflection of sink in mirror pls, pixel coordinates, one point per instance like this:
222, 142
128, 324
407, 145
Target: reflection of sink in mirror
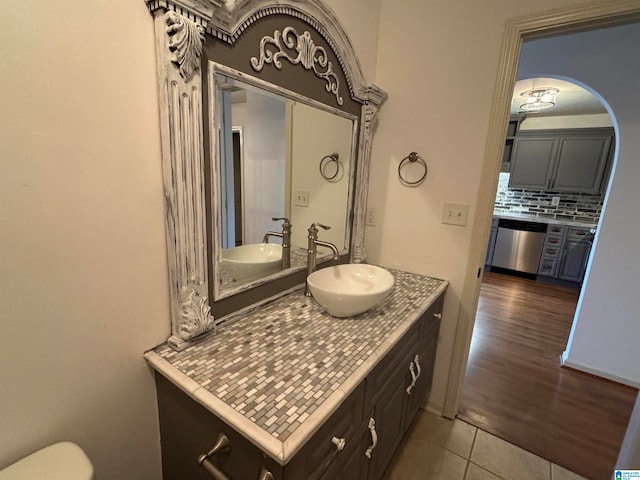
347, 290
252, 261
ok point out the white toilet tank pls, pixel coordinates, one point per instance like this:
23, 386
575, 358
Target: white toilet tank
61, 461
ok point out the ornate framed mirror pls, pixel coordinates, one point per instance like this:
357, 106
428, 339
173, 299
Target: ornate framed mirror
264, 114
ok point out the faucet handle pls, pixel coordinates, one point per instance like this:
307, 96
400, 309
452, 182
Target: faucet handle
285, 221
314, 225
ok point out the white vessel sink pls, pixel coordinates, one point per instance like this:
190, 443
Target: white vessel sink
252, 261
347, 290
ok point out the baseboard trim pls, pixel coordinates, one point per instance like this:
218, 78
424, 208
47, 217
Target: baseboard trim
565, 362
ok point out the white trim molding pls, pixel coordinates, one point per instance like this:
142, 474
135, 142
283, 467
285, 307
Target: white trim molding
180, 27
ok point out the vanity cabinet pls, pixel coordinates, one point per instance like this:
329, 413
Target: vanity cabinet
356, 442
561, 160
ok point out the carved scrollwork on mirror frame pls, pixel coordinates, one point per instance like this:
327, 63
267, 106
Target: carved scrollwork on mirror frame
186, 39
181, 28
309, 55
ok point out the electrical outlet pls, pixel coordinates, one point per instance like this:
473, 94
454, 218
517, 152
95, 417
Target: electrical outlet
555, 201
455, 213
371, 218
301, 198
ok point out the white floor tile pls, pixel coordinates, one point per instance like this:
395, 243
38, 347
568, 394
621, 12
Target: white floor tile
559, 473
455, 435
474, 472
424, 460
507, 460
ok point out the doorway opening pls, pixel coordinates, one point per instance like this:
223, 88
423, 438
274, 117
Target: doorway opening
514, 386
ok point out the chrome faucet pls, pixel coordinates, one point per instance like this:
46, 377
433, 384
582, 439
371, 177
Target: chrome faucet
285, 235
312, 250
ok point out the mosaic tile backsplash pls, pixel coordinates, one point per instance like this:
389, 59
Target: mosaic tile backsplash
578, 207
278, 364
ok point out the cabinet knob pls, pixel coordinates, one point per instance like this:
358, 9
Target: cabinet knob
437, 316
339, 443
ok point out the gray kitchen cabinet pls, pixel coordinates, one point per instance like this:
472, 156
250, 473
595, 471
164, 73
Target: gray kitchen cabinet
532, 161
512, 130
561, 160
356, 442
575, 254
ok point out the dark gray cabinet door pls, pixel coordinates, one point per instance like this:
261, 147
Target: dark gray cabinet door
532, 161
389, 424
581, 162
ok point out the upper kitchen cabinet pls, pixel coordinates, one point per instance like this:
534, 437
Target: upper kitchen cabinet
561, 160
512, 130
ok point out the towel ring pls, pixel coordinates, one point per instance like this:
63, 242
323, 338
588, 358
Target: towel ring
412, 158
327, 160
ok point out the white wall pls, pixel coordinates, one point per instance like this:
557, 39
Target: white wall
438, 62
316, 133
604, 339
83, 269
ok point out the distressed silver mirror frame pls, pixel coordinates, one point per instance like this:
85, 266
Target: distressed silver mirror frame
180, 32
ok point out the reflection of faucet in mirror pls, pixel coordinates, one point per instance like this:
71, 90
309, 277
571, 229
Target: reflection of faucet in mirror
286, 240
312, 250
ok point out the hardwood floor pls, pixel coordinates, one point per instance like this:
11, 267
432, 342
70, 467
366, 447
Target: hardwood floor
515, 388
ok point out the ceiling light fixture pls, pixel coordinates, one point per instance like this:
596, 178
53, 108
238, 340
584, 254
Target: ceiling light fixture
538, 99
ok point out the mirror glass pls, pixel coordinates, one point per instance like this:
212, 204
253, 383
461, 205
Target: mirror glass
277, 155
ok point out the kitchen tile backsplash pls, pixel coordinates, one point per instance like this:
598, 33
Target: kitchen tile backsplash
579, 207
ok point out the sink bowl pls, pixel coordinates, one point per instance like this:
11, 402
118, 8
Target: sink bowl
347, 290
248, 262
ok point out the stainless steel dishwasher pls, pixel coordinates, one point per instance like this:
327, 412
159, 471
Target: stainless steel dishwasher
519, 245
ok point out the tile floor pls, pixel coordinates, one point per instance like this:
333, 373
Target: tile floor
437, 449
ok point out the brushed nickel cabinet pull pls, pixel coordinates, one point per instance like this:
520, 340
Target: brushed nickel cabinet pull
266, 475
416, 361
374, 438
222, 445
413, 378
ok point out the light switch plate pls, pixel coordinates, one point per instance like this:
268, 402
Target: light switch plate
455, 213
301, 198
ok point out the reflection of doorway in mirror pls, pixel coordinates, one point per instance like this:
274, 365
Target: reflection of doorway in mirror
237, 184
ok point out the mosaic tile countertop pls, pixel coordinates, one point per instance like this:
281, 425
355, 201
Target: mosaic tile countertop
277, 373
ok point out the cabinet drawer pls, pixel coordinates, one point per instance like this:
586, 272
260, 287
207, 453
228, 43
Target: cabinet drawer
319, 452
553, 240
548, 251
555, 229
548, 266
578, 232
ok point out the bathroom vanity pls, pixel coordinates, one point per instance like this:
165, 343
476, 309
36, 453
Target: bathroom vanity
266, 117
298, 393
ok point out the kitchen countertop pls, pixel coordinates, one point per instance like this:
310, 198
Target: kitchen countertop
547, 220
280, 371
